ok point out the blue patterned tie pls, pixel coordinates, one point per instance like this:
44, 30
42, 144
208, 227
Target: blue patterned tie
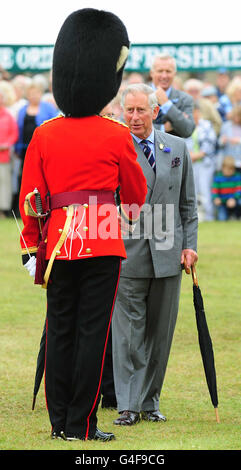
148, 154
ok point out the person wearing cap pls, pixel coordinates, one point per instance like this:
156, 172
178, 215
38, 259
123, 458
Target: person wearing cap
73, 165
210, 92
222, 81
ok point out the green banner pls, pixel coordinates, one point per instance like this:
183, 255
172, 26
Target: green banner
189, 57
19, 59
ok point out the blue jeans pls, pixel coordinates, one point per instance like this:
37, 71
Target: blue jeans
223, 212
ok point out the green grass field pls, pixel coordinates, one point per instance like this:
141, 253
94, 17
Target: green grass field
185, 400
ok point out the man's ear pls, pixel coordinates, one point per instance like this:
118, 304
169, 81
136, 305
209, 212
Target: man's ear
155, 112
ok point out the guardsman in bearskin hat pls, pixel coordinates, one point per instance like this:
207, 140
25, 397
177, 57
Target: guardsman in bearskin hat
71, 240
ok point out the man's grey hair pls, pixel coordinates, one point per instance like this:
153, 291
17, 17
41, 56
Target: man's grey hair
164, 56
193, 83
140, 88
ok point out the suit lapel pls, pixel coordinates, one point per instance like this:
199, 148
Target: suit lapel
159, 182
163, 167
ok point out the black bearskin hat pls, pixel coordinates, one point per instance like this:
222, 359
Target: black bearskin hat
88, 62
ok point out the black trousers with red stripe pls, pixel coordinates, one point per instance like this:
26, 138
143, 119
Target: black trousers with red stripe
81, 296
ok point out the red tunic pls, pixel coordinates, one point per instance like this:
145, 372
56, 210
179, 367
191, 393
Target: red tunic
70, 154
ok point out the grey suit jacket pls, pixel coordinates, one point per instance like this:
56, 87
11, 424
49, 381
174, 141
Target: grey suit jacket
168, 221
182, 103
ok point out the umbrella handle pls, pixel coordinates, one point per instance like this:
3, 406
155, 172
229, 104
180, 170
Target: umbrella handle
194, 275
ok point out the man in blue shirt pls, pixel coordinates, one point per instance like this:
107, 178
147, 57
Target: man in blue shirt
175, 113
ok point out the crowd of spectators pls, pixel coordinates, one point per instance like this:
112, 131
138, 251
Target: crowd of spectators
214, 146
24, 104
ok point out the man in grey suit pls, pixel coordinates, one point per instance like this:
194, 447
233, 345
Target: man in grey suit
164, 237
175, 113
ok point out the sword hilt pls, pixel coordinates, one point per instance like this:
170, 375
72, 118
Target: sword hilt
29, 210
38, 202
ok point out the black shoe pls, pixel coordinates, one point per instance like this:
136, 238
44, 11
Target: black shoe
153, 416
58, 435
103, 436
99, 436
128, 418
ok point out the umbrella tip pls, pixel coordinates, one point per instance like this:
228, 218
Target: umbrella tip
217, 415
33, 403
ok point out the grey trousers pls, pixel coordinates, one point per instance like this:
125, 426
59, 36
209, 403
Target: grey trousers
142, 330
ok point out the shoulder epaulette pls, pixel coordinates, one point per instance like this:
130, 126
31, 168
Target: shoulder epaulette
52, 119
114, 120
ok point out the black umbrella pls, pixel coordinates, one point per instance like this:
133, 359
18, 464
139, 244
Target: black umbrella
205, 343
40, 366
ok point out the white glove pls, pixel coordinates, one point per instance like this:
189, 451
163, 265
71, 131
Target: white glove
31, 266
125, 227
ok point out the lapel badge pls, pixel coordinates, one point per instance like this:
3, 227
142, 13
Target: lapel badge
165, 149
